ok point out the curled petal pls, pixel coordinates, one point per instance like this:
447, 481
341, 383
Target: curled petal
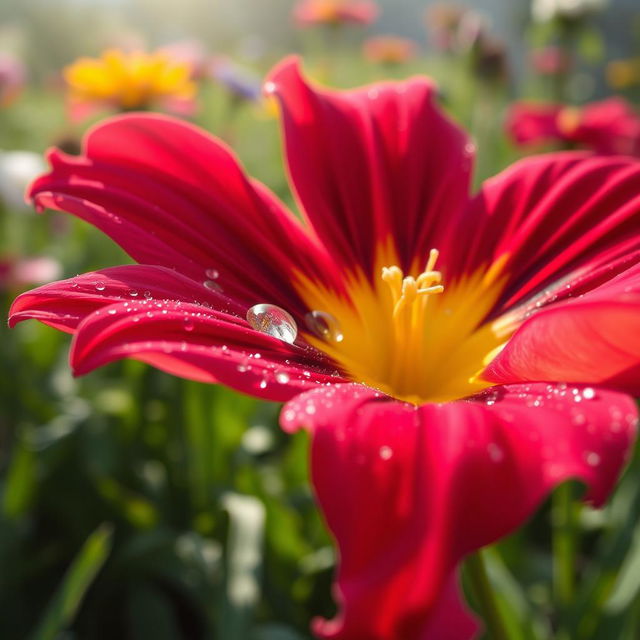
172, 195
409, 491
591, 339
387, 169
64, 304
192, 341
553, 219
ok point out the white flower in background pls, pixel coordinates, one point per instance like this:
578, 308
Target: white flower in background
545, 10
17, 170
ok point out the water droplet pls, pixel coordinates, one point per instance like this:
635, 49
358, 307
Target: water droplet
588, 393
214, 286
274, 321
592, 458
133, 293
324, 325
310, 409
212, 274
386, 452
147, 295
100, 286
188, 324
495, 452
282, 377
112, 312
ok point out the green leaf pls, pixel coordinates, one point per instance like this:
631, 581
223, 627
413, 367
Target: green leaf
20, 484
67, 600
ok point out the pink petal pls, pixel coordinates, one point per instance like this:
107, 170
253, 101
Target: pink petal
591, 339
374, 165
409, 491
171, 195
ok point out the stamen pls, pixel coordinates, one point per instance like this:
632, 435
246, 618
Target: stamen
393, 277
405, 290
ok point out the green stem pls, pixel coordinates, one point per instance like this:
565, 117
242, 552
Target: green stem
564, 544
484, 597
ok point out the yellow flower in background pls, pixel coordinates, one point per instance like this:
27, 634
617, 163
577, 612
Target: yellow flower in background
622, 74
126, 81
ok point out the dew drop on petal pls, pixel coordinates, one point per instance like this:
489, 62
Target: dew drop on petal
133, 293
588, 393
592, 459
495, 452
282, 377
112, 312
100, 286
188, 324
324, 325
274, 321
386, 452
147, 295
212, 274
213, 285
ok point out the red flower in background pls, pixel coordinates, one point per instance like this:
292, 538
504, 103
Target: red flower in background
447, 392
389, 49
334, 12
608, 127
12, 79
550, 60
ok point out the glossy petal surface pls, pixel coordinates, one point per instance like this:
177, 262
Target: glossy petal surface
388, 170
591, 339
171, 195
409, 491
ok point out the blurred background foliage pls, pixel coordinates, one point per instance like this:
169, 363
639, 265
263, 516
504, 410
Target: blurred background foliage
136, 505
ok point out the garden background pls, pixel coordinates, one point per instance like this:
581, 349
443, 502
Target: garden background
137, 505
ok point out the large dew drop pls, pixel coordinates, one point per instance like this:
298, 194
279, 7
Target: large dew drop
273, 321
324, 325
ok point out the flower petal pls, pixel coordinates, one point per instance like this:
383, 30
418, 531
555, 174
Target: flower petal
533, 123
409, 491
171, 195
195, 342
551, 219
591, 339
165, 319
373, 167
64, 304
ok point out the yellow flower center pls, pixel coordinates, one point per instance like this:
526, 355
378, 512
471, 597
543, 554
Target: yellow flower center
411, 336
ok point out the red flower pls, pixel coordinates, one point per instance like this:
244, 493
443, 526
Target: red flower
417, 459
609, 127
550, 60
334, 12
389, 49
